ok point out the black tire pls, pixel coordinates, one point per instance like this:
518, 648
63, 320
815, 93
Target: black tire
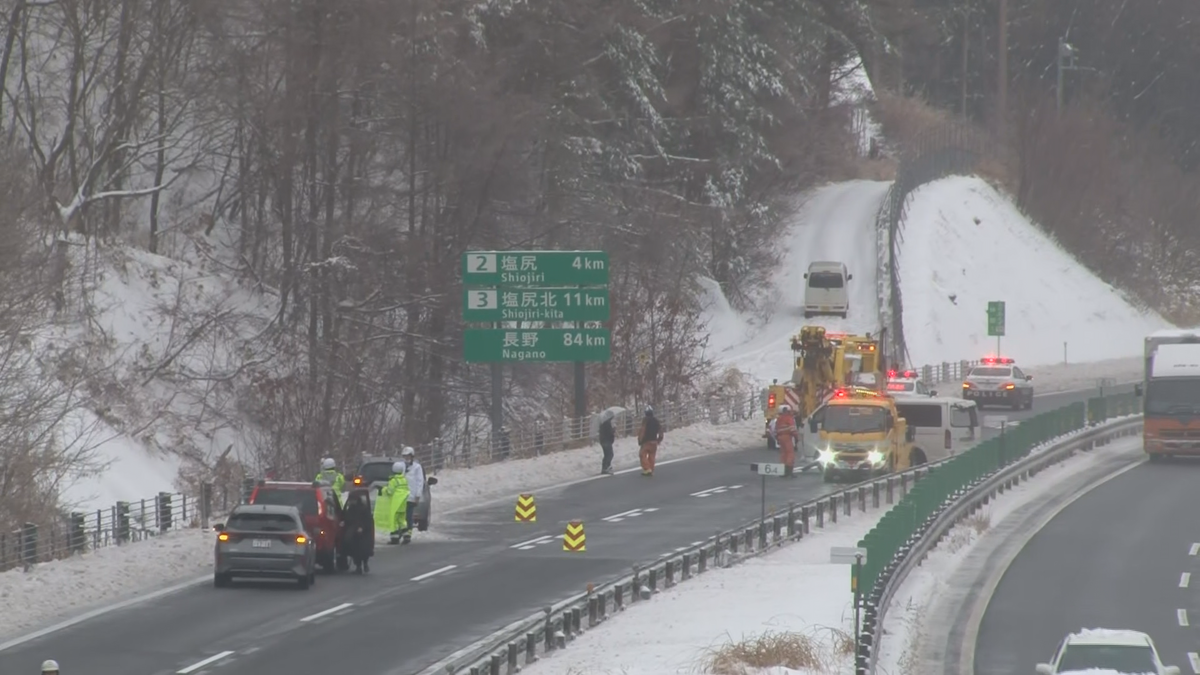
423, 524
220, 580
844, 314
1029, 403
771, 444
327, 562
827, 476
917, 457
343, 562
304, 582
808, 315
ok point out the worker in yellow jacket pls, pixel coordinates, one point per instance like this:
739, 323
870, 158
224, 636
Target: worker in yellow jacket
390, 505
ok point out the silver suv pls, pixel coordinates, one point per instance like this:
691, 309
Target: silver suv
264, 541
998, 381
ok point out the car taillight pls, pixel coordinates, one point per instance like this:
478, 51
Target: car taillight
891, 374
948, 440
301, 539
771, 401
966, 385
1010, 385
223, 537
358, 480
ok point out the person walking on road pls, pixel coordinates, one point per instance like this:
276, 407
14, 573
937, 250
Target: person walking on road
390, 504
607, 437
649, 436
415, 475
359, 528
785, 434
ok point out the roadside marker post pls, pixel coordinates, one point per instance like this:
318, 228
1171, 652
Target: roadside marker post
574, 539
764, 470
526, 509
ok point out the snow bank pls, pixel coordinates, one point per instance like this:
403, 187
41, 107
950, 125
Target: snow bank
796, 590
964, 245
835, 222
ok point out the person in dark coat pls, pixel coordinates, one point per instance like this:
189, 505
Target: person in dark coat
607, 436
358, 527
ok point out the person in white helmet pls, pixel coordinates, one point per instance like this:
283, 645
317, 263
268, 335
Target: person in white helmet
332, 477
416, 488
49, 667
390, 513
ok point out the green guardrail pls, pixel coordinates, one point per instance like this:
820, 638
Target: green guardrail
902, 522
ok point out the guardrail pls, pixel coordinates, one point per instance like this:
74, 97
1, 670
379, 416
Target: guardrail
962, 484
524, 641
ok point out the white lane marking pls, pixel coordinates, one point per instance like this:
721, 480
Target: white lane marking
331, 610
1194, 659
1185, 579
720, 489
632, 513
1181, 614
527, 545
200, 664
1194, 549
422, 577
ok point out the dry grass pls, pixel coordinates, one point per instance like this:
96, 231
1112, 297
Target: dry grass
820, 651
966, 532
909, 661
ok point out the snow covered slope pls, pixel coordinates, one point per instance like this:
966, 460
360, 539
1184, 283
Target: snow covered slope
835, 222
966, 244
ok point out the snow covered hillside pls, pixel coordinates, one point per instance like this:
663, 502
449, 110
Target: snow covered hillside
966, 244
834, 222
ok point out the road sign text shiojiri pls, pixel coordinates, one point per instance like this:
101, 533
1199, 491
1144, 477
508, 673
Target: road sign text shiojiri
535, 268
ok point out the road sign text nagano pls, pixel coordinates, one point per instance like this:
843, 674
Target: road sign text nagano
535, 304
535, 268
492, 345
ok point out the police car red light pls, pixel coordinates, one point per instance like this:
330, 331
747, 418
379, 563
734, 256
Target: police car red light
992, 360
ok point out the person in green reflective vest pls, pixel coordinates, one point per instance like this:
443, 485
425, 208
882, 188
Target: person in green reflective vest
390, 505
332, 477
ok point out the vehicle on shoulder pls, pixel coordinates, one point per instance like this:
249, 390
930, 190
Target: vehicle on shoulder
375, 472
998, 381
942, 426
320, 510
264, 541
1106, 650
825, 289
907, 383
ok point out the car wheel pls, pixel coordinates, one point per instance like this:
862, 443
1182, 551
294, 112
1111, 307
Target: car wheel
304, 582
844, 314
220, 580
917, 457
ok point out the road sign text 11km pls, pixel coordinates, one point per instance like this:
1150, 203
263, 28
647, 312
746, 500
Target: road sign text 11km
492, 345
535, 304
535, 268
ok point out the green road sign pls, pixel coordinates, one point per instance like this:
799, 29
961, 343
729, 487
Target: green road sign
535, 304
535, 268
491, 345
995, 314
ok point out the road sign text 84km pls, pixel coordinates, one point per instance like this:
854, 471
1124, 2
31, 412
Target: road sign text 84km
493, 345
535, 268
482, 305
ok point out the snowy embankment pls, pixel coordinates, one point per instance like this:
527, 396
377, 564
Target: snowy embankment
787, 613
118, 573
965, 244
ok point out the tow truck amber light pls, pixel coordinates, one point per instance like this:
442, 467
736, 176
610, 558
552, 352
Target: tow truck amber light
223, 537
301, 539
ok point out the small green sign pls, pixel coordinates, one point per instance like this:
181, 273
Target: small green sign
492, 345
535, 304
995, 318
535, 268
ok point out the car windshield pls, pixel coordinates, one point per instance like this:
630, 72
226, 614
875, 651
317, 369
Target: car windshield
991, 372
375, 472
901, 386
261, 522
855, 419
1121, 658
305, 500
1173, 397
824, 280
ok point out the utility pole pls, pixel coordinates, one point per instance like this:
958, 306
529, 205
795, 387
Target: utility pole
1002, 97
966, 50
1066, 61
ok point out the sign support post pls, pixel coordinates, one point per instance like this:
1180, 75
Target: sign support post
995, 321
856, 556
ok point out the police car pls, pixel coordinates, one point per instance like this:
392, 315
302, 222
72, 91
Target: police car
998, 381
907, 383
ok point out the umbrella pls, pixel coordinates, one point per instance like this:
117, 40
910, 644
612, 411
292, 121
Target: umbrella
612, 412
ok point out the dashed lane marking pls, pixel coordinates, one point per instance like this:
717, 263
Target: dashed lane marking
1194, 549
694, 544
1185, 579
1181, 614
1194, 659
720, 489
422, 577
632, 513
331, 610
200, 664
529, 545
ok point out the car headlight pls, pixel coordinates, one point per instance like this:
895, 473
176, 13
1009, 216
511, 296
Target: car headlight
875, 457
826, 456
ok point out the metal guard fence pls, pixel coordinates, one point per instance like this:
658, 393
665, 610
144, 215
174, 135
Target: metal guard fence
896, 532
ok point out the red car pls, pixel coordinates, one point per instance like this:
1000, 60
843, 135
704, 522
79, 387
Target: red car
319, 508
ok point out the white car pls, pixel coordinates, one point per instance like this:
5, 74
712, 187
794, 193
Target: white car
907, 383
1101, 649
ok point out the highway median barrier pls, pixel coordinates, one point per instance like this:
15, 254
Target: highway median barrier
574, 539
526, 509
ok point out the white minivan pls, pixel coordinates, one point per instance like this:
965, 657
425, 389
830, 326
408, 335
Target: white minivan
944, 426
825, 290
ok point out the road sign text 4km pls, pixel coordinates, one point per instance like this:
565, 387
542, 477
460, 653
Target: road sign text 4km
535, 268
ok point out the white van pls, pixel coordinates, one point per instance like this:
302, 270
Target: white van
944, 426
825, 291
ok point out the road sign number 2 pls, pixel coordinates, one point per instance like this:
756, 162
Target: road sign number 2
482, 300
482, 263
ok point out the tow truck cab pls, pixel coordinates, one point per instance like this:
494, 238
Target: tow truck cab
860, 433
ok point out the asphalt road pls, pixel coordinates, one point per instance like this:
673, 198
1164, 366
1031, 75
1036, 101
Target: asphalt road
422, 602
1122, 556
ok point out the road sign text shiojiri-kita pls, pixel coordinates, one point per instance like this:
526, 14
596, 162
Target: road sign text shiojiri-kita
491, 345
481, 305
535, 268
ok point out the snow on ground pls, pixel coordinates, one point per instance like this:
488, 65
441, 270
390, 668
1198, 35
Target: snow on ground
796, 590
964, 245
114, 574
835, 222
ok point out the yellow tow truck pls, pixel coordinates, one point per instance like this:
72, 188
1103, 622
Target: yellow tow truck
860, 433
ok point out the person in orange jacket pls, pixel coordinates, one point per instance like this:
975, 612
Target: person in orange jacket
785, 433
649, 436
